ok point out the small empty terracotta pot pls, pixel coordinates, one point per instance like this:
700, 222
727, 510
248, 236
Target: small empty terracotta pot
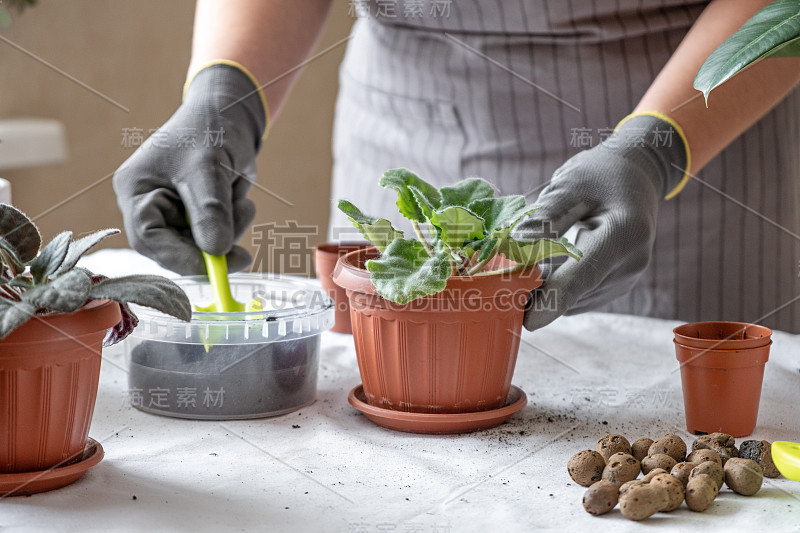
325, 258
722, 387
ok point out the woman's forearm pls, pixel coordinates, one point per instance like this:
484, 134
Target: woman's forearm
734, 106
269, 38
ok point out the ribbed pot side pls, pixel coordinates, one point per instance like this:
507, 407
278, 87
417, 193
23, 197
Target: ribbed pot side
453, 352
49, 373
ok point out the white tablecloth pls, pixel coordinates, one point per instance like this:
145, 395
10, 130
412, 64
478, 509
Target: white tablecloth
328, 468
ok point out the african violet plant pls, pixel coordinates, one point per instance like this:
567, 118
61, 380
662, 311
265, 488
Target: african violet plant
467, 226
35, 282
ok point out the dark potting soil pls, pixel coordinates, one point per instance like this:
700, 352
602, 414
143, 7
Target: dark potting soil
228, 381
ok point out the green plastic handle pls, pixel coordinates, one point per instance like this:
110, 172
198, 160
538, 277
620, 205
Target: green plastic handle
217, 268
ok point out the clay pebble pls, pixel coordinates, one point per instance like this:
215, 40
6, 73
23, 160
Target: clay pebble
710, 469
608, 445
643, 501
760, 451
621, 467
674, 488
743, 476
722, 443
659, 460
705, 454
586, 467
641, 481
681, 471
669, 444
601, 497
640, 447
700, 492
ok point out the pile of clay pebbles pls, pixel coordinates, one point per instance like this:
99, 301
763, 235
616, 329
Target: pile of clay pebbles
669, 476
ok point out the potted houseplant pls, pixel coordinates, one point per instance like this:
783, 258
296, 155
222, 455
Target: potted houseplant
437, 318
54, 319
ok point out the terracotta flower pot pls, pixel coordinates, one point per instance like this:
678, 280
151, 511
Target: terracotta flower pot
49, 370
721, 387
452, 352
326, 257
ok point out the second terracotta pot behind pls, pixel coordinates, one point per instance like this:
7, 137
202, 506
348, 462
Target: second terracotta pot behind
453, 352
325, 258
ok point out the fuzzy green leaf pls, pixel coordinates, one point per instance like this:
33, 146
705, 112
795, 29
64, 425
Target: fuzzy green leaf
65, 293
9, 258
147, 290
425, 203
457, 225
18, 233
765, 34
378, 231
529, 253
465, 192
501, 213
400, 179
81, 246
405, 271
13, 315
22, 280
51, 257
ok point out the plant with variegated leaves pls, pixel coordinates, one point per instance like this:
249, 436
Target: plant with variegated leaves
35, 282
467, 226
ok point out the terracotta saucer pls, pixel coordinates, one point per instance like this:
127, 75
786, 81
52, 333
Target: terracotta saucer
23, 483
438, 423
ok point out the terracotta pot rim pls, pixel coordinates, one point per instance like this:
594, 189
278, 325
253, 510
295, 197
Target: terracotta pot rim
333, 247
703, 357
96, 315
349, 275
717, 333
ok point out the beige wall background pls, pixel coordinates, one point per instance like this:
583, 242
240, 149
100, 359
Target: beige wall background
136, 53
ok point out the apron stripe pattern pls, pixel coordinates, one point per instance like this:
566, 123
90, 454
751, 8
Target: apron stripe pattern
510, 89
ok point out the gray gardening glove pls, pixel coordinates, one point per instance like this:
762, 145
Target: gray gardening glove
611, 193
199, 164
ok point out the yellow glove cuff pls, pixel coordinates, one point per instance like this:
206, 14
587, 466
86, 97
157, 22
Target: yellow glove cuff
685, 179
247, 73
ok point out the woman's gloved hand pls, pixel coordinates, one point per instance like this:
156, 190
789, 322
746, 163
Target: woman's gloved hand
199, 165
611, 193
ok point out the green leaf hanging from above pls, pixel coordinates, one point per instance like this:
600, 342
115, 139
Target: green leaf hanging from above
772, 32
405, 271
400, 179
528, 253
466, 191
378, 231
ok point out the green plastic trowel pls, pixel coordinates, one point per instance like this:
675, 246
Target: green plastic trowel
786, 456
224, 302
217, 269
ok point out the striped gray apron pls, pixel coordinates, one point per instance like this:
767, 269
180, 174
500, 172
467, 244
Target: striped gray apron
509, 89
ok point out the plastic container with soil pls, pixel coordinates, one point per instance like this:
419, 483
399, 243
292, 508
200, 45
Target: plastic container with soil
225, 366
